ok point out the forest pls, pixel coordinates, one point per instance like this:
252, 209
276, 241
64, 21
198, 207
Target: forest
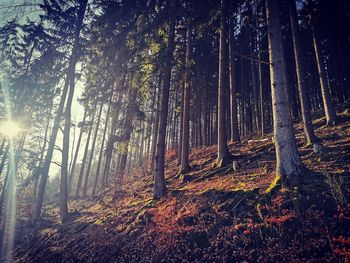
174, 131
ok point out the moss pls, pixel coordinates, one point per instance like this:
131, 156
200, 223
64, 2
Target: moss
274, 184
98, 222
138, 202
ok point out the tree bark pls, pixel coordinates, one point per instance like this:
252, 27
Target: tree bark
101, 149
181, 122
156, 125
288, 164
159, 180
87, 175
85, 156
127, 131
329, 111
223, 152
185, 167
72, 170
233, 89
310, 136
37, 172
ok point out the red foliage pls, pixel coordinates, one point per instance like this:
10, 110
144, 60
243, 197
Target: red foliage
247, 232
170, 154
342, 240
167, 228
283, 218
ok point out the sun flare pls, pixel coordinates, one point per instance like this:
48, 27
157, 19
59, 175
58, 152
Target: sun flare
10, 128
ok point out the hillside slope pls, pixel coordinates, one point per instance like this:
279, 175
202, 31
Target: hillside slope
214, 215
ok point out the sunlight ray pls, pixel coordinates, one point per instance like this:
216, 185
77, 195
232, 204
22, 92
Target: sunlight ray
11, 187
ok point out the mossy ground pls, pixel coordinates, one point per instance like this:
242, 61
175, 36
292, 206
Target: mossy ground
219, 215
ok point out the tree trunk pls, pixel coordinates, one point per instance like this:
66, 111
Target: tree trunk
310, 136
261, 93
186, 106
233, 89
159, 180
223, 152
37, 172
288, 164
181, 123
102, 146
255, 108
142, 146
329, 111
85, 156
156, 124
72, 170
87, 175
127, 131
65, 152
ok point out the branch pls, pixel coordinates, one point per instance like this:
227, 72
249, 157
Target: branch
250, 58
58, 164
58, 148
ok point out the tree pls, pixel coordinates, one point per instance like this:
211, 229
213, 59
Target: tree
329, 111
159, 180
223, 152
69, 76
186, 106
85, 156
67, 115
233, 88
310, 136
102, 147
288, 164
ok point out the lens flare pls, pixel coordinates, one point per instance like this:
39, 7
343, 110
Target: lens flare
10, 129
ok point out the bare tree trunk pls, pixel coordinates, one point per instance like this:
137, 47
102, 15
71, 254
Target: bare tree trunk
65, 154
67, 120
199, 117
233, 89
310, 136
72, 151
159, 180
37, 172
87, 175
255, 108
102, 146
85, 156
223, 152
288, 164
142, 146
261, 93
329, 111
111, 141
181, 123
156, 124
150, 127
72, 170
186, 107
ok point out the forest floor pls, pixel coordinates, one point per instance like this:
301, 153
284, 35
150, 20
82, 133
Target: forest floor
217, 215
